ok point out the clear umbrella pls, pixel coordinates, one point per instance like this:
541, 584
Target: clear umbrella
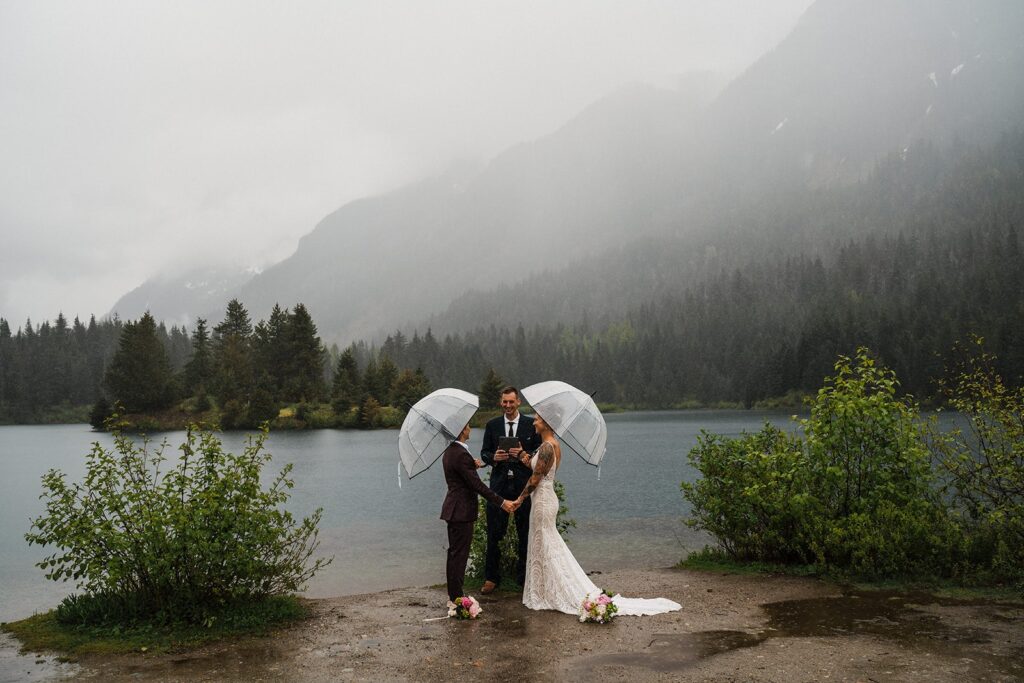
573, 415
433, 423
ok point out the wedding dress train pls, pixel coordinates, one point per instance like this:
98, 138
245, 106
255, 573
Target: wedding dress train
554, 579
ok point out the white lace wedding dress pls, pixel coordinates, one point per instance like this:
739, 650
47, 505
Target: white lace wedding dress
554, 579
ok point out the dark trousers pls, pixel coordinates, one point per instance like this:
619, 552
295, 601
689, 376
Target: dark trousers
497, 527
460, 537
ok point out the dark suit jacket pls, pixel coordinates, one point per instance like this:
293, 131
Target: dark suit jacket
463, 485
501, 483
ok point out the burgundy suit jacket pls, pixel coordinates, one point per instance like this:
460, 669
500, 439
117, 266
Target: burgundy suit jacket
464, 484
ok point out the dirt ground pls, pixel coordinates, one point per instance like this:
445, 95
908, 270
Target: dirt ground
731, 628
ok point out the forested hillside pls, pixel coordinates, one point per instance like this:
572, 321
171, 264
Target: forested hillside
854, 81
934, 257
733, 317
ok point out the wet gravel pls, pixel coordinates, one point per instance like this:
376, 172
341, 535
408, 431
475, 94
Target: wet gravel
731, 628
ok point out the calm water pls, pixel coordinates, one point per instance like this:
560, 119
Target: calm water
383, 536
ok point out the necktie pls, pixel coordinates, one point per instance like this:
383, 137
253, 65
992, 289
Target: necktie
511, 426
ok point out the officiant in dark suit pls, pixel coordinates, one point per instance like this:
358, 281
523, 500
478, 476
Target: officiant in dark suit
459, 509
510, 471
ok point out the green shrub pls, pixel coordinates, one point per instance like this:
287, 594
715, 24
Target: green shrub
983, 464
390, 417
147, 537
856, 494
752, 494
320, 416
873, 508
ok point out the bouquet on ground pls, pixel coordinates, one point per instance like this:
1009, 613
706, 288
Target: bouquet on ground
464, 608
599, 610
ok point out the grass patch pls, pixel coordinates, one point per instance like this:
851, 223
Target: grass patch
42, 632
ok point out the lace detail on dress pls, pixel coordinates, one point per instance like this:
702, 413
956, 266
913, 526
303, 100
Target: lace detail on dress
554, 579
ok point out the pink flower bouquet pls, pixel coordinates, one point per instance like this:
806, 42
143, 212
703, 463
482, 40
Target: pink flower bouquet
599, 610
464, 608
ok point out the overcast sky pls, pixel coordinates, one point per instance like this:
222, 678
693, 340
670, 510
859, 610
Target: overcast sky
139, 137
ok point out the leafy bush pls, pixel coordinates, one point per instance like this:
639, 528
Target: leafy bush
855, 494
872, 507
751, 495
147, 537
984, 465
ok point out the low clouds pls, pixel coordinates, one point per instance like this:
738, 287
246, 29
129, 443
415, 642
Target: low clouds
140, 137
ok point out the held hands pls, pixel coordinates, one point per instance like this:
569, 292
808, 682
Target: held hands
510, 506
479, 463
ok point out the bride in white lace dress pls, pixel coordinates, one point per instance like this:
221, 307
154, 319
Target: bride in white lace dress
554, 579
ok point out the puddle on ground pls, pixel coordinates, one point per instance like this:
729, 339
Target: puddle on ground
914, 621
29, 667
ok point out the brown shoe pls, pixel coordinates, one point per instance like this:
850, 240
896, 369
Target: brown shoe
488, 587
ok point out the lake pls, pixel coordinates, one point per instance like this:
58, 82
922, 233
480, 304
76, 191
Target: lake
383, 536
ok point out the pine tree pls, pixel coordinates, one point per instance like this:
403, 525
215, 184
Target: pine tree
371, 387
408, 388
139, 376
305, 358
199, 369
232, 353
387, 373
345, 391
490, 389
369, 413
272, 354
5, 362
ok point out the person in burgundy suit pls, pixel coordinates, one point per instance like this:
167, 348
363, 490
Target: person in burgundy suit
459, 509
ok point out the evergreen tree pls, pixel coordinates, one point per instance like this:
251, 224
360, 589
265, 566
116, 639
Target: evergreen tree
369, 413
234, 369
408, 388
139, 376
387, 374
272, 353
371, 386
99, 413
5, 361
199, 369
345, 391
305, 358
490, 389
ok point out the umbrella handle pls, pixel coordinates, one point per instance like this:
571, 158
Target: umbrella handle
599, 471
399, 473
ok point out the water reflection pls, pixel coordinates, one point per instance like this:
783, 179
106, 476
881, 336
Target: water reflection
918, 622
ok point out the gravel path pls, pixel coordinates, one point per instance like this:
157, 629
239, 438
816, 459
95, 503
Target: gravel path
731, 628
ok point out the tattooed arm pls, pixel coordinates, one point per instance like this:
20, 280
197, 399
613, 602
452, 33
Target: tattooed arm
545, 461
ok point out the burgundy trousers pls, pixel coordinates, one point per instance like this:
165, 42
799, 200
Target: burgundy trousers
460, 537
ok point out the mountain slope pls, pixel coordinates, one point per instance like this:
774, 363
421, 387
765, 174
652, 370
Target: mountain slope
854, 81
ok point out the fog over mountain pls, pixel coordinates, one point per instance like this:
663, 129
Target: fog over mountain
852, 83
145, 141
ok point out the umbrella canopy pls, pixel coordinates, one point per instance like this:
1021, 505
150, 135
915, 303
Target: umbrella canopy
573, 415
433, 423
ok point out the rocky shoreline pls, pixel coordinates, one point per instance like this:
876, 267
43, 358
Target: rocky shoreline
731, 628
